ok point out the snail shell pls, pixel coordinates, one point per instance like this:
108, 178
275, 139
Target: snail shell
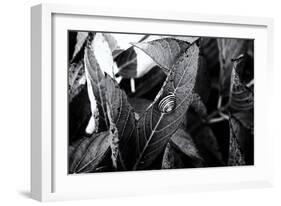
167, 104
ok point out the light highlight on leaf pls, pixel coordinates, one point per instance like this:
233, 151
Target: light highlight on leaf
80, 40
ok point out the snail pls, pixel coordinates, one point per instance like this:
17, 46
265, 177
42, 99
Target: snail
168, 103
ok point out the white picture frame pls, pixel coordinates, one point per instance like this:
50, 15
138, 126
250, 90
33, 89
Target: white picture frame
49, 179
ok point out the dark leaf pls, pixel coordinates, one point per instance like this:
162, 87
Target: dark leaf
127, 63
183, 141
241, 119
207, 77
139, 104
208, 147
171, 159
89, 152
105, 89
235, 157
79, 114
198, 106
229, 49
205, 140
246, 119
154, 78
76, 79
155, 127
242, 97
123, 117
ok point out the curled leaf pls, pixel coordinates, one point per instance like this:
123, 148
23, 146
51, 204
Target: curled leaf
242, 98
229, 49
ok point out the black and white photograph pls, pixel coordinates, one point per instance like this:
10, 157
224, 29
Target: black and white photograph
158, 101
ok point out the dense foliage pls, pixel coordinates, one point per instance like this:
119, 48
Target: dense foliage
161, 102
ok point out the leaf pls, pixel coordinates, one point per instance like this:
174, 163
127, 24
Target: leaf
112, 42
244, 66
127, 63
241, 119
134, 63
171, 159
106, 90
139, 104
98, 59
206, 80
123, 117
229, 49
244, 134
124, 40
114, 144
93, 124
168, 158
72, 149
205, 140
95, 79
164, 52
198, 105
155, 128
144, 63
76, 79
188, 39
89, 152
242, 98
207, 144
103, 55
183, 141
235, 155
79, 114
246, 119
80, 41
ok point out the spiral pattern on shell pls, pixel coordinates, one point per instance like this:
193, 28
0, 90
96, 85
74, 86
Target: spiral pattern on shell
167, 104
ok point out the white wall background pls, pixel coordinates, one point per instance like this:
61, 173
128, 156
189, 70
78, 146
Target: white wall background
15, 102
